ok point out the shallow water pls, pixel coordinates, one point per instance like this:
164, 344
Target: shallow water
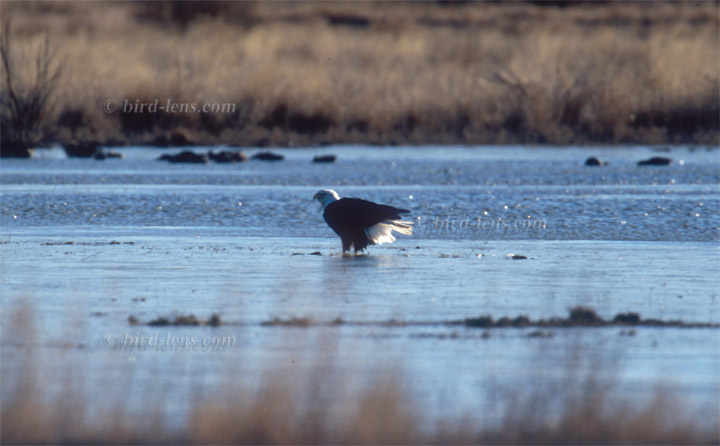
86, 244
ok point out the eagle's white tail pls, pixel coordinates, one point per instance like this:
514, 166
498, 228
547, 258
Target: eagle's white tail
382, 232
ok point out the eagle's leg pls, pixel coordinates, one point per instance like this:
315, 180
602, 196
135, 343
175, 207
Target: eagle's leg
346, 242
359, 248
360, 243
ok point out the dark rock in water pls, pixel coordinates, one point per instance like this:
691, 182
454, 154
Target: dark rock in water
315, 253
656, 161
102, 155
228, 157
593, 161
185, 157
84, 149
325, 159
268, 156
13, 149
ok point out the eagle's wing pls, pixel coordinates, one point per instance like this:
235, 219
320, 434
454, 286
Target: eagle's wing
359, 212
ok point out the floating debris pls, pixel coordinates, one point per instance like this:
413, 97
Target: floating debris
626, 318
159, 322
516, 257
292, 322
479, 322
520, 321
584, 316
394, 323
189, 320
540, 334
214, 320
113, 242
324, 159
580, 317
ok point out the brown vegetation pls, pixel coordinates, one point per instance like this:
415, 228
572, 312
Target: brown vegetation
213, 321
321, 409
385, 73
579, 316
324, 406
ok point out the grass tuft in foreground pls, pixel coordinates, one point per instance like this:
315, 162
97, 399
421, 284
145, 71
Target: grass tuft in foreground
321, 404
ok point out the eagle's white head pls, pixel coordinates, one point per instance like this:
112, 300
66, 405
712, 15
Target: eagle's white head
326, 196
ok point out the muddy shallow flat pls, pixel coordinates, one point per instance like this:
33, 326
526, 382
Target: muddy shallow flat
86, 245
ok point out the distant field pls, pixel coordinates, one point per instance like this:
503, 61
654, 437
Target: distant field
376, 73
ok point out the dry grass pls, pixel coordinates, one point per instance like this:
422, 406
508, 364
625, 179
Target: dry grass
386, 73
323, 406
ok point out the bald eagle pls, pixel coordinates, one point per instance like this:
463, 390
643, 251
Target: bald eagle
360, 223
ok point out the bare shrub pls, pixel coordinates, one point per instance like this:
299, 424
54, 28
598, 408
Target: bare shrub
25, 100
